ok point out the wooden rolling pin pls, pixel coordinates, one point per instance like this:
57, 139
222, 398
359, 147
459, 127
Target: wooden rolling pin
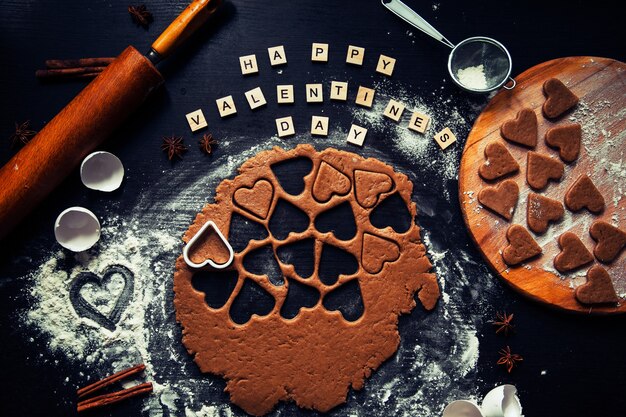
89, 119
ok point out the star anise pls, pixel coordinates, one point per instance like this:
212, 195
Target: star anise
503, 323
509, 359
207, 142
140, 15
174, 147
22, 134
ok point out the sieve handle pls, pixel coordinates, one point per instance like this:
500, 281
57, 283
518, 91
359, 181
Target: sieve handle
407, 14
511, 81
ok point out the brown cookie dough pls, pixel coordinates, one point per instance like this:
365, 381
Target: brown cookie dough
540, 169
257, 199
316, 356
369, 186
521, 245
598, 289
500, 199
499, 162
566, 139
610, 241
584, 194
573, 253
541, 210
521, 130
559, 98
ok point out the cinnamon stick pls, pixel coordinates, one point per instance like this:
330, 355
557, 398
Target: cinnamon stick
78, 63
96, 386
114, 397
68, 72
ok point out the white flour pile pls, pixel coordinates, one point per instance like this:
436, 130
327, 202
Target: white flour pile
432, 367
473, 77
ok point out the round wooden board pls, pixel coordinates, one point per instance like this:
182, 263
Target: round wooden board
600, 83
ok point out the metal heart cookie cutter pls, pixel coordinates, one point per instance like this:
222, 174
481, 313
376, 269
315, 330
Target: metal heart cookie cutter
198, 235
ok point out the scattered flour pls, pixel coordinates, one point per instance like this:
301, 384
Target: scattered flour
431, 367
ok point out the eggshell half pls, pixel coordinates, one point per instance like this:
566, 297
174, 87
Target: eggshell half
77, 229
102, 171
502, 402
462, 408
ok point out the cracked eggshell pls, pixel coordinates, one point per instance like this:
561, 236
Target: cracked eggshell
77, 229
502, 402
102, 171
462, 408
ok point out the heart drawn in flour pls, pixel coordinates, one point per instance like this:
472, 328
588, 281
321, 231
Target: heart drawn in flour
256, 200
86, 308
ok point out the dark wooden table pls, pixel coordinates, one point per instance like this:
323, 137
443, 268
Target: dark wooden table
573, 365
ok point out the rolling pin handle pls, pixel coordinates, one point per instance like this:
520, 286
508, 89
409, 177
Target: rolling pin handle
192, 18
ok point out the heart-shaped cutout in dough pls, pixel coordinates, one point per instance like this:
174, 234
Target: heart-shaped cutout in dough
566, 139
541, 168
559, 98
330, 181
369, 185
584, 194
377, 251
598, 289
501, 199
611, 241
256, 200
521, 245
521, 130
499, 162
208, 247
573, 253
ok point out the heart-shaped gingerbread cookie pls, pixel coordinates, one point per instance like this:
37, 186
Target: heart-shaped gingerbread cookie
499, 162
540, 169
573, 253
521, 245
566, 139
369, 185
559, 98
610, 241
584, 194
598, 289
501, 199
376, 251
330, 181
521, 130
256, 200
541, 210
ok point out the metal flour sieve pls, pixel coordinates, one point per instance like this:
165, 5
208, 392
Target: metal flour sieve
478, 64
